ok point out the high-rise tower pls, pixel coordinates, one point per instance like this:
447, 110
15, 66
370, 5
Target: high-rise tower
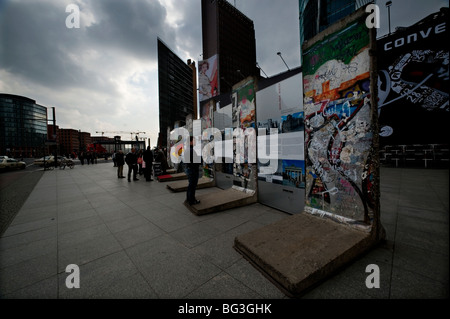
176, 81
230, 35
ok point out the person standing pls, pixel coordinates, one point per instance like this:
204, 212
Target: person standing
81, 157
148, 160
131, 160
140, 162
114, 154
120, 162
192, 171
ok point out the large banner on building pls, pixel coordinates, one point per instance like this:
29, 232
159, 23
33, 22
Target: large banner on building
338, 124
413, 84
244, 135
208, 85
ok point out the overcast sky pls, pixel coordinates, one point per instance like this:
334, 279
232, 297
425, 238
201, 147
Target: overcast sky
103, 76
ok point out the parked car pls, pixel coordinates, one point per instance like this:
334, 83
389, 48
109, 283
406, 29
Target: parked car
48, 160
7, 163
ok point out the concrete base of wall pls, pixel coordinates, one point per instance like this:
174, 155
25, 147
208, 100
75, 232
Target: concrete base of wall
221, 200
181, 186
302, 250
171, 177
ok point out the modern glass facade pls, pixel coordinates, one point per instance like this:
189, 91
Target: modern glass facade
230, 34
23, 126
176, 91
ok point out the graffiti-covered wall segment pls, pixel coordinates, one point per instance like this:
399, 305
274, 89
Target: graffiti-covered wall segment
339, 135
244, 135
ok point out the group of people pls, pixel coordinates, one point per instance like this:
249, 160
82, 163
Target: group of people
89, 157
141, 162
138, 163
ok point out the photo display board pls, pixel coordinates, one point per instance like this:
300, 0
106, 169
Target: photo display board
338, 125
281, 143
280, 112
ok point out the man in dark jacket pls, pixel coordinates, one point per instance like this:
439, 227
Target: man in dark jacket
120, 162
131, 160
192, 171
148, 160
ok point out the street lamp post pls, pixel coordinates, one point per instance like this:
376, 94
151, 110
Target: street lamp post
259, 67
388, 5
55, 136
226, 82
239, 71
279, 54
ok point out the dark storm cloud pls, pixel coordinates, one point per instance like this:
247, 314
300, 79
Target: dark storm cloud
189, 29
276, 30
130, 26
35, 42
37, 46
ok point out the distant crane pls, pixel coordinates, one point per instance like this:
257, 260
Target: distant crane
137, 135
124, 132
103, 132
121, 132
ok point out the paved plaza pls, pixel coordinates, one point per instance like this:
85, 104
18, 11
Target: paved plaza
138, 240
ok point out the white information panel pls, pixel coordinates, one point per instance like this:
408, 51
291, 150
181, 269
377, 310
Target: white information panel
281, 157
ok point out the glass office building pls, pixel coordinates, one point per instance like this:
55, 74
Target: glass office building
229, 34
176, 91
23, 126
